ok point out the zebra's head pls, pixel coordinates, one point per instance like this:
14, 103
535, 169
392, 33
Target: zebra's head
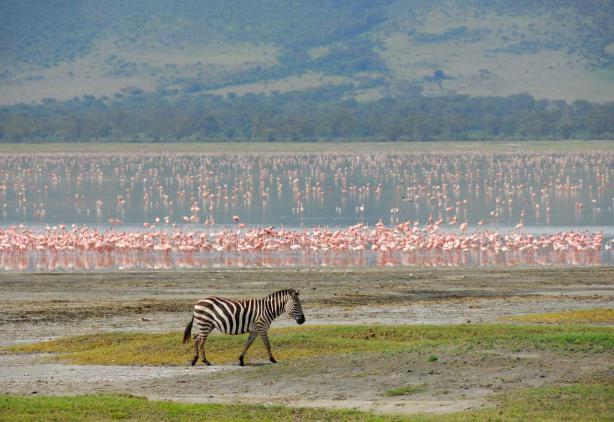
294, 307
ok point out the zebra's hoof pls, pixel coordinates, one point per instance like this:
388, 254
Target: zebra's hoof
273, 360
193, 362
206, 362
241, 363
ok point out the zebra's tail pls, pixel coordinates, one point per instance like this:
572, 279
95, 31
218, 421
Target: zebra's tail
188, 331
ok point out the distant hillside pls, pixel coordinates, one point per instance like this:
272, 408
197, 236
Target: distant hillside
367, 49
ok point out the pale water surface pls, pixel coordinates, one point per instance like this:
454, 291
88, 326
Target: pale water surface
541, 192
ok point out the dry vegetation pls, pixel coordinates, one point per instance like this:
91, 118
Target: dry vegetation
583, 316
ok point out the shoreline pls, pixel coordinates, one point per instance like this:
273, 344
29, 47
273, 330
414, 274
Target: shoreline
350, 147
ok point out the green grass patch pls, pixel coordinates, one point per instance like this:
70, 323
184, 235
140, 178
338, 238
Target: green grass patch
300, 342
403, 391
117, 407
583, 316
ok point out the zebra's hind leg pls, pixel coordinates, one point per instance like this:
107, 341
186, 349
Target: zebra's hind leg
195, 350
248, 343
202, 338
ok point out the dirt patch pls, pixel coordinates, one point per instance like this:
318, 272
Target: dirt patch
29, 374
67, 310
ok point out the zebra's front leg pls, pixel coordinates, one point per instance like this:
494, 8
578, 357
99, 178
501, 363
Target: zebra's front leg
262, 332
248, 343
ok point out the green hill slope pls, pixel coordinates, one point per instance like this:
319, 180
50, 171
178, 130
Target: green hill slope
373, 48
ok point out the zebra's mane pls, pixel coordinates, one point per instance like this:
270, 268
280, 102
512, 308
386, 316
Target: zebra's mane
288, 291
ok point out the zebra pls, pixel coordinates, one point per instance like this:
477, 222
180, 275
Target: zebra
241, 316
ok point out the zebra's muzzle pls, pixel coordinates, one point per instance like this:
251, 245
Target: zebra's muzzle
301, 320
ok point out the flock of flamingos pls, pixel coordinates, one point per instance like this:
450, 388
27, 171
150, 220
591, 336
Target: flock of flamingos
440, 209
401, 244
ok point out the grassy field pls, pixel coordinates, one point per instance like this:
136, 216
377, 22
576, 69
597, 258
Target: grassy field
289, 343
581, 402
113, 407
318, 147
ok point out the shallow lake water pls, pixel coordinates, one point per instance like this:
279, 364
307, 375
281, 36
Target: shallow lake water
535, 193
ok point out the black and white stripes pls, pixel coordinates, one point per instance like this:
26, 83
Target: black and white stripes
241, 316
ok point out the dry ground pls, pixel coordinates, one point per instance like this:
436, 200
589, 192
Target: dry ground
40, 306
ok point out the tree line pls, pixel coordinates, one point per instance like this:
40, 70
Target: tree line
320, 114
